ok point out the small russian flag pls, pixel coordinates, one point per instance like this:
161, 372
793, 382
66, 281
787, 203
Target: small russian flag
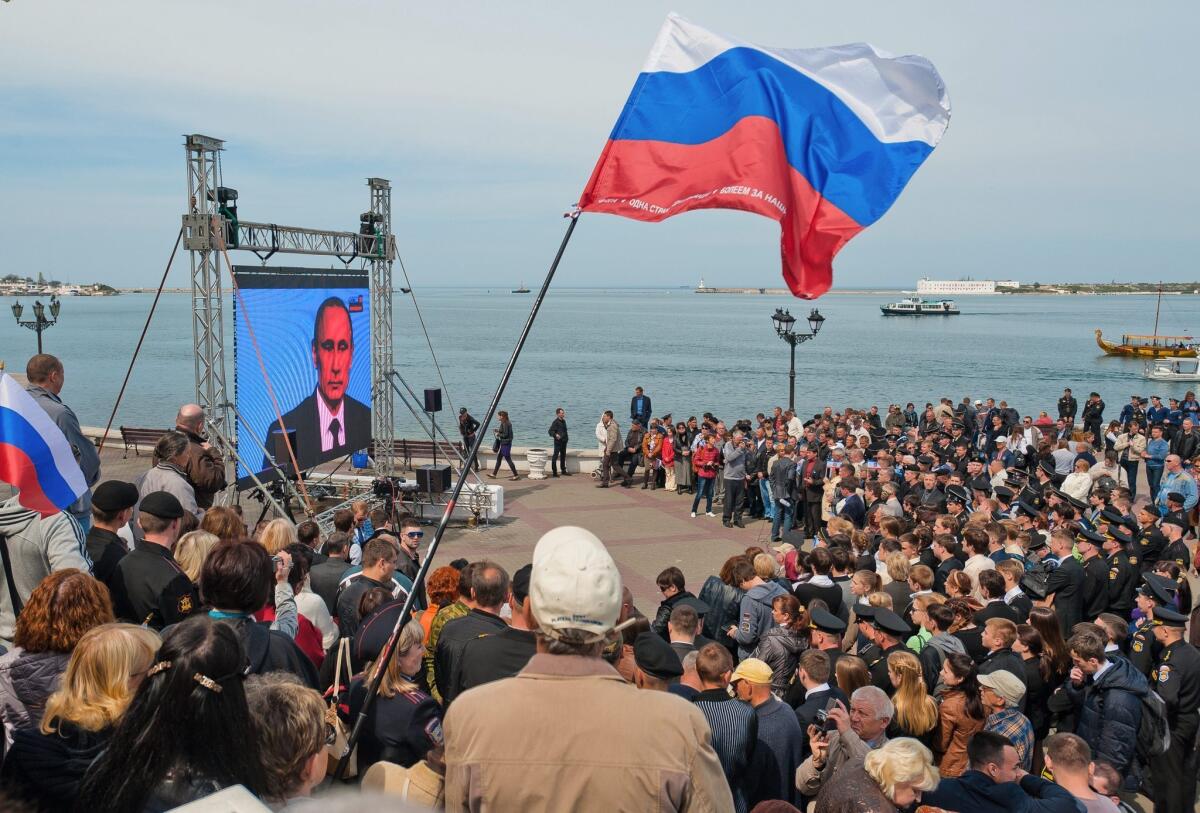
35, 456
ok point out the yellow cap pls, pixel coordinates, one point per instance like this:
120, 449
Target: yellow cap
753, 670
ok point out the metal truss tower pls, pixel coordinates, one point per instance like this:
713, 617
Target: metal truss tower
208, 327
379, 262
373, 243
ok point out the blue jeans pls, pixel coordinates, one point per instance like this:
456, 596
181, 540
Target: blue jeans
764, 488
1131, 472
704, 488
783, 519
1154, 475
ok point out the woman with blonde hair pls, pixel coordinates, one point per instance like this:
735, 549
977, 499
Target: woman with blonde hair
46, 763
404, 723
898, 569
277, 535
192, 549
890, 778
916, 712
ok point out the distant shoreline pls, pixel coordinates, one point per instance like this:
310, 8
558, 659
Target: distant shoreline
1045, 290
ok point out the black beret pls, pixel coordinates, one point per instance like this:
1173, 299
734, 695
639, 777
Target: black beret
162, 505
520, 583
655, 657
114, 495
1174, 518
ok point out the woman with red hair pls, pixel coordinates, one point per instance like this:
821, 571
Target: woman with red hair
64, 606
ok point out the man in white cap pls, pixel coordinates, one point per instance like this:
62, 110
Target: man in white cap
568, 733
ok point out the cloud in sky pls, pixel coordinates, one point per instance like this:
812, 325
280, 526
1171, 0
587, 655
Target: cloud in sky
1068, 157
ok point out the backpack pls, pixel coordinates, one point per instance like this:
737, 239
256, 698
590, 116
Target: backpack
1154, 734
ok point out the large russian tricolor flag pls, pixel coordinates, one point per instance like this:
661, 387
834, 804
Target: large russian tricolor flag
821, 139
35, 455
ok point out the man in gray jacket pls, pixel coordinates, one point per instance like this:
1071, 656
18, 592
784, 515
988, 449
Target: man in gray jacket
46, 377
37, 546
735, 452
861, 729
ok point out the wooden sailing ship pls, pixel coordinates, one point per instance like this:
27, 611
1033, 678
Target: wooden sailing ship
1151, 346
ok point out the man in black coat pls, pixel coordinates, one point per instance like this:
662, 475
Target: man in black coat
328, 422
1067, 405
148, 587
1095, 574
999, 634
1065, 583
817, 691
991, 586
112, 508
324, 577
490, 588
558, 432
1093, 417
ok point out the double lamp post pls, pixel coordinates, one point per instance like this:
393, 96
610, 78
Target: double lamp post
39, 321
785, 326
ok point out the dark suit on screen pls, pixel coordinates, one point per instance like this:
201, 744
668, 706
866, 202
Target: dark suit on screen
306, 420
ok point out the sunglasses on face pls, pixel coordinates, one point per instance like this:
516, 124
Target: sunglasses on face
415, 534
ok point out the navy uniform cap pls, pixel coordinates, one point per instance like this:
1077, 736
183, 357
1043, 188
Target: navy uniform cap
1027, 509
1091, 536
889, 622
1120, 536
1169, 617
115, 495
1112, 516
1036, 541
655, 657
1157, 587
1075, 501
957, 494
826, 621
162, 505
1047, 467
865, 612
1004, 493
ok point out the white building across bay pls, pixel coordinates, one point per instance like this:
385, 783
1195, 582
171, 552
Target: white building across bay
959, 287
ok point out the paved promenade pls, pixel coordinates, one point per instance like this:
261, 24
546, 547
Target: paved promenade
644, 530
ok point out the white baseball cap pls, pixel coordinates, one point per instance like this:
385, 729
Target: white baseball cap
574, 584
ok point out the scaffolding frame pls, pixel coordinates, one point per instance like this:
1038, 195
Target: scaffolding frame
373, 245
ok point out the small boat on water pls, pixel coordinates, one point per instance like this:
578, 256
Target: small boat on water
1153, 346
915, 306
1162, 370
521, 289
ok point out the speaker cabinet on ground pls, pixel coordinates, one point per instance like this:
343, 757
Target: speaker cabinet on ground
434, 479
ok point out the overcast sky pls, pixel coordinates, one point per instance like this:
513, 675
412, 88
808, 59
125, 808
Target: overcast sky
1071, 153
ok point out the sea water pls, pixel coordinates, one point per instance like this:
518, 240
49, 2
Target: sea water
692, 353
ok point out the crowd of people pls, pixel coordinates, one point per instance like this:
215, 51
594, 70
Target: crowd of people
946, 619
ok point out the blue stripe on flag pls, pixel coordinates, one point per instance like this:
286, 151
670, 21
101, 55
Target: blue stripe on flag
825, 140
19, 432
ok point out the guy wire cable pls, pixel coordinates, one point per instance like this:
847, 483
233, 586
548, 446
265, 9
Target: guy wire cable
421, 319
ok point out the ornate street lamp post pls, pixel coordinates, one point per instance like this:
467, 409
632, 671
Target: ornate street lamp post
39, 321
785, 325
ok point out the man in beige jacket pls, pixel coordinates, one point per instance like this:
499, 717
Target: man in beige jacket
568, 733
859, 730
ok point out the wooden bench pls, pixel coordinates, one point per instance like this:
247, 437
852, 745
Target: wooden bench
146, 437
406, 450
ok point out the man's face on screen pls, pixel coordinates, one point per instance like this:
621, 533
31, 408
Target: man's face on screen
333, 349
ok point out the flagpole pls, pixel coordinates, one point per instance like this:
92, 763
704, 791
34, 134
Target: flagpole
393, 641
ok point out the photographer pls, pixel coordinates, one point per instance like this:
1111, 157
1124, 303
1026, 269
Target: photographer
737, 451
857, 731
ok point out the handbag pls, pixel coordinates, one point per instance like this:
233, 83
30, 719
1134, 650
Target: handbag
337, 738
496, 445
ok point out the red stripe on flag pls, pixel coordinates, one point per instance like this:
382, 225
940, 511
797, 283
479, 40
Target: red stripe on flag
747, 169
17, 469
